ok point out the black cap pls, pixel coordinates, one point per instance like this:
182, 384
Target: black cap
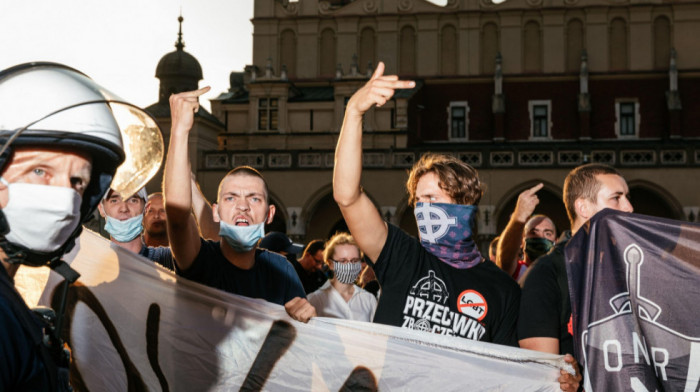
279, 242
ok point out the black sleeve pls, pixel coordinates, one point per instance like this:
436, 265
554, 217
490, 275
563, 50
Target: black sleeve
507, 328
399, 254
539, 304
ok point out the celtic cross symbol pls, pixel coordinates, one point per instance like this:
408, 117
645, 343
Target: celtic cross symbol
433, 222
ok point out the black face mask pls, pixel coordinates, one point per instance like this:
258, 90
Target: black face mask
536, 247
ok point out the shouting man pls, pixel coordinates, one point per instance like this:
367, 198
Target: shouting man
234, 264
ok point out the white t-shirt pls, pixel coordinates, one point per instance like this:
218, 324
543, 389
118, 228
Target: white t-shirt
330, 303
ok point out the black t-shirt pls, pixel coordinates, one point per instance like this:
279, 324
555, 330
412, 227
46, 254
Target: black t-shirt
545, 307
272, 278
421, 292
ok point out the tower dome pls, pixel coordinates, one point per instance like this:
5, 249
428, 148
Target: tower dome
178, 71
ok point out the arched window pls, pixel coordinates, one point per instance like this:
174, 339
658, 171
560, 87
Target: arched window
288, 52
448, 50
407, 51
662, 42
618, 45
326, 54
574, 45
532, 52
490, 46
367, 49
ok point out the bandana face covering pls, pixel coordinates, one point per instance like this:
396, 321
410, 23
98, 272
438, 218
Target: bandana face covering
347, 272
446, 231
536, 247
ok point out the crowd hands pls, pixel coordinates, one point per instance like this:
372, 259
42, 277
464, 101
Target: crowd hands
224, 245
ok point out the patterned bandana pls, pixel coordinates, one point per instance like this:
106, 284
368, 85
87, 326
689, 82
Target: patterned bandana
446, 231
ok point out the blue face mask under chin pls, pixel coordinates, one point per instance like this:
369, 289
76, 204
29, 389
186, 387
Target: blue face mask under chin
126, 230
241, 238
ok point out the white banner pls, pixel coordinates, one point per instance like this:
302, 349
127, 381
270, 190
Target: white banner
133, 325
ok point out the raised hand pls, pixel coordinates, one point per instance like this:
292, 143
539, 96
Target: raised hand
378, 90
527, 201
183, 106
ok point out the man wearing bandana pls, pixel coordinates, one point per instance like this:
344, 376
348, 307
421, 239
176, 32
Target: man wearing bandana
526, 237
440, 283
234, 264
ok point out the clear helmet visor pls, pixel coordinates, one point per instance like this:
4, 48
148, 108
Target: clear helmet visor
143, 148
46, 103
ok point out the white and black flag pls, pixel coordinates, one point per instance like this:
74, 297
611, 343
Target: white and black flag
635, 298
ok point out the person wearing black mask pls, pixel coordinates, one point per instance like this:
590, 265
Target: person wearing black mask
526, 237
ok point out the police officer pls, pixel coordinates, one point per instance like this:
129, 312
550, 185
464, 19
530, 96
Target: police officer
60, 146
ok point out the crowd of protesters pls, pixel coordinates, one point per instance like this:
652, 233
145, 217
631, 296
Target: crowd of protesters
376, 272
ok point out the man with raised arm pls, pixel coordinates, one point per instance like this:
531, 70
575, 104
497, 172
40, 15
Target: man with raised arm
242, 209
441, 283
526, 237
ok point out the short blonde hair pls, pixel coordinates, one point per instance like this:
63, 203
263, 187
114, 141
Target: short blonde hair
336, 240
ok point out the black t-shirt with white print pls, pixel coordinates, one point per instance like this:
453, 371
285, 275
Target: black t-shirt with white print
421, 292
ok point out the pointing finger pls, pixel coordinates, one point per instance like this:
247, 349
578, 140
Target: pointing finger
379, 71
395, 84
535, 188
196, 93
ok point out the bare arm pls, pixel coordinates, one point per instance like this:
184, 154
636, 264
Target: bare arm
203, 213
512, 236
545, 345
509, 246
182, 228
364, 221
567, 381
